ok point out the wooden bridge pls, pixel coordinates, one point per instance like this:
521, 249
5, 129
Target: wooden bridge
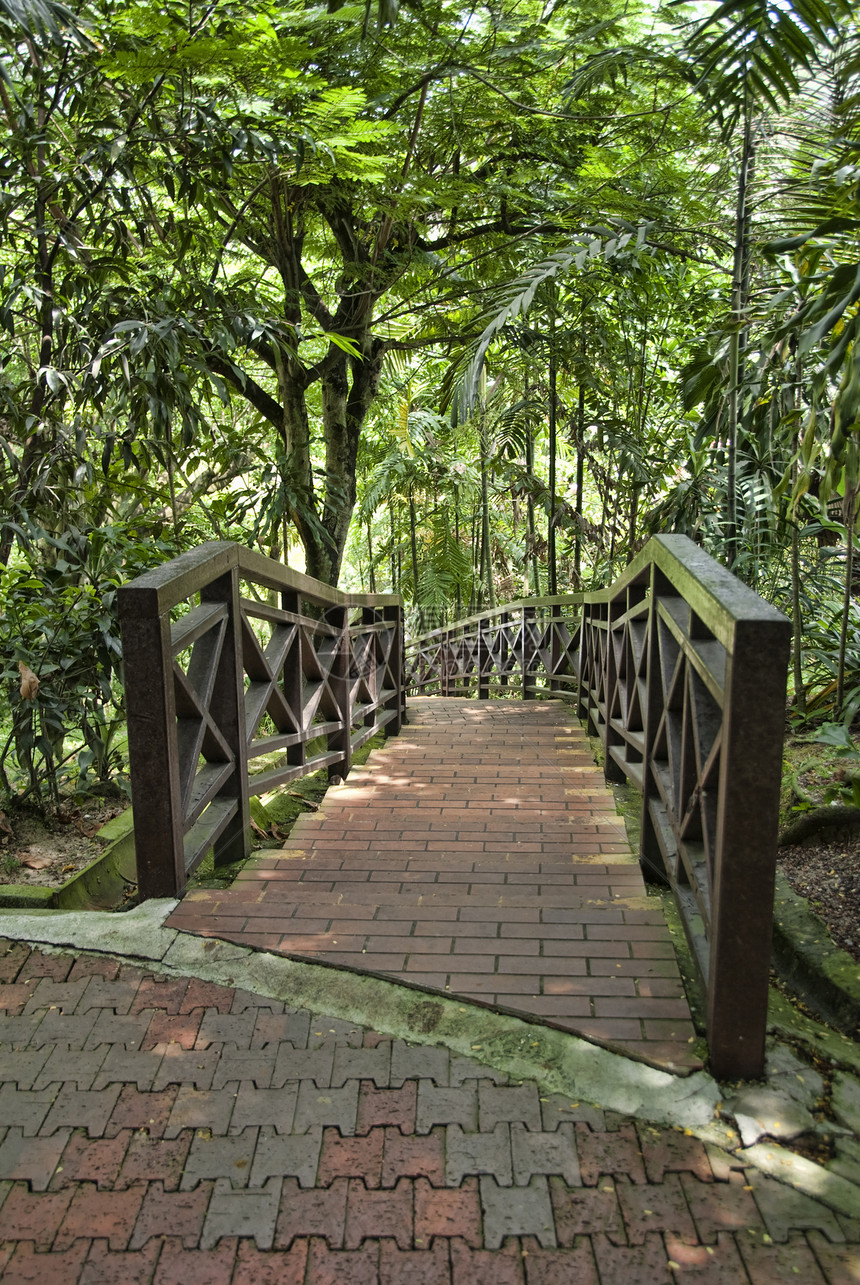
479, 854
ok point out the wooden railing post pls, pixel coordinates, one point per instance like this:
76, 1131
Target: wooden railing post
152, 747
394, 615
482, 655
528, 678
747, 826
341, 740
612, 771
227, 708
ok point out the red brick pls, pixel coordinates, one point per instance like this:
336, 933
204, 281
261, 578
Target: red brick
645, 1264
178, 1266
414, 1156
415, 1267
721, 1264
343, 1267
27, 1267
657, 1207
14, 995
721, 1206
840, 1263
584, 1210
446, 1212
371, 1214
155, 1158
110, 1214
98, 966
13, 956
609, 1153
164, 993
136, 1110
488, 1267
359, 1157
671, 1149
178, 1214
57, 967
256, 1267
34, 1216
315, 1212
95, 1160
573, 1266
180, 1029
127, 1268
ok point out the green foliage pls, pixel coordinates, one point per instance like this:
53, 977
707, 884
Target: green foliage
59, 618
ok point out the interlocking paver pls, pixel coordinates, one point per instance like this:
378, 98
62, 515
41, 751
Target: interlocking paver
104, 1214
34, 1216
254, 1105
475, 1153
414, 1267
768, 1263
76, 1108
419, 1062
484, 1267
517, 1211
178, 1266
447, 1212
645, 1264
370, 1214
657, 1207
177, 1214
186, 1066
122, 1065
97, 1160
343, 1266
271, 1267
362, 1064
582, 1211
573, 1266
250, 1213
515, 1103
318, 1212
548, 1153
210, 1109
32, 1159
219, 1157
394, 1107
296, 1157
27, 1266
148, 1159
615, 1152
446, 1106
303, 1064
136, 1109
125, 1267
351, 1157
413, 1156
25, 1108
327, 1106
237, 1064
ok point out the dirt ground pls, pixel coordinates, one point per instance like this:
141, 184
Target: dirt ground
46, 851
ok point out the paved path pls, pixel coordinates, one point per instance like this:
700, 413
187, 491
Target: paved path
162, 1129
479, 854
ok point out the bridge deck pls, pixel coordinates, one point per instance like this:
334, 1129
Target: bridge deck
478, 854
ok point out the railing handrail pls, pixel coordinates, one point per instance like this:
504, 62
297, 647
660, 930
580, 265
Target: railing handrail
166, 586
559, 600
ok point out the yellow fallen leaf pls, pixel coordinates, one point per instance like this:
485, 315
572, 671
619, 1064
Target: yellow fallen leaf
29, 682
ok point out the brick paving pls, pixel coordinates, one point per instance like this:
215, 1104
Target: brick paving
331, 1153
478, 854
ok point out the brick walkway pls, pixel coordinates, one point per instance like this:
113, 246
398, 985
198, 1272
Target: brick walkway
166, 1130
479, 854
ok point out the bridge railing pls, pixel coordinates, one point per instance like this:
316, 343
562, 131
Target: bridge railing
680, 669
233, 662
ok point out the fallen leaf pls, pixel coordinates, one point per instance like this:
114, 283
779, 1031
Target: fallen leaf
87, 829
4, 824
69, 867
29, 682
36, 863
